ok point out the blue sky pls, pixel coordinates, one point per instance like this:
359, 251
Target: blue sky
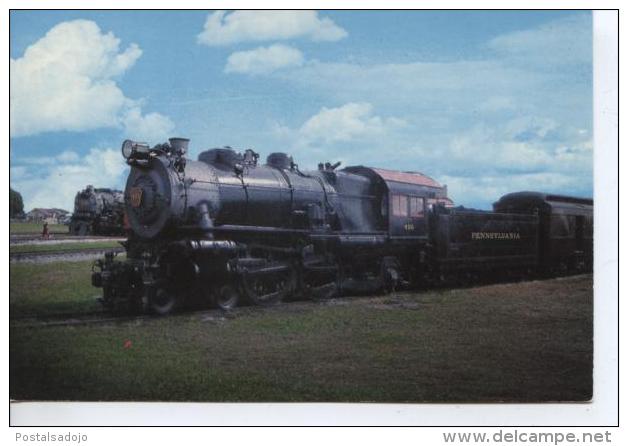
485, 102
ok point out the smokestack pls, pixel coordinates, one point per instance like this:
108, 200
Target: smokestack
179, 145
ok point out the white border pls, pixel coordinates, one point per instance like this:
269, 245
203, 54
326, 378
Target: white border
603, 409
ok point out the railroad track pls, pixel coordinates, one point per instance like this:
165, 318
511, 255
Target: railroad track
20, 239
57, 254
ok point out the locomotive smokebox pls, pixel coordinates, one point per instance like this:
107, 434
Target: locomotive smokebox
179, 145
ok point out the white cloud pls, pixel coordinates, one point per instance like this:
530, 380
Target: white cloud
497, 104
351, 121
522, 144
56, 184
64, 157
152, 127
482, 86
431, 86
486, 189
17, 171
68, 156
557, 42
514, 118
66, 81
223, 28
264, 60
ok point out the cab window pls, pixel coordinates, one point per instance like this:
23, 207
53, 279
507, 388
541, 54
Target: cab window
416, 207
399, 205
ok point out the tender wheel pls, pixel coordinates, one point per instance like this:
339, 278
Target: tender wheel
161, 301
226, 297
268, 289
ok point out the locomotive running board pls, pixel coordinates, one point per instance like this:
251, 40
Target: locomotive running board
265, 229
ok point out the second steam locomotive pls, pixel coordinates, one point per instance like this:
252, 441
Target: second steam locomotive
98, 211
227, 228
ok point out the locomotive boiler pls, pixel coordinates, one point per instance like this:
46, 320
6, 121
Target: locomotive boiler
228, 228
97, 211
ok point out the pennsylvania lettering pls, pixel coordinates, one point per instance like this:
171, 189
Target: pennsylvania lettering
495, 236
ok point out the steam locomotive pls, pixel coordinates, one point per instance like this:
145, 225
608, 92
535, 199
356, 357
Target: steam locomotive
226, 228
98, 211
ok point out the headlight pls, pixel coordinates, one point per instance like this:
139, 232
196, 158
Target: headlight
127, 148
132, 148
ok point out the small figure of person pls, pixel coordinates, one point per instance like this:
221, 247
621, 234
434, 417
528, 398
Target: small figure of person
44, 234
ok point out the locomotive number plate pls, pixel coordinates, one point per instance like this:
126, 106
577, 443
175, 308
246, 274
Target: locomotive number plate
135, 196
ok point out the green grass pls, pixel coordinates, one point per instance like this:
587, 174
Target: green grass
51, 288
35, 228
509, 342
63, 246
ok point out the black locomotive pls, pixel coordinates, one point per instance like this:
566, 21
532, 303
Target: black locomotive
98, 211
226, 228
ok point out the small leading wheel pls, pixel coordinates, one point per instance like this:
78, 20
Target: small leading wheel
162, 301
226, 297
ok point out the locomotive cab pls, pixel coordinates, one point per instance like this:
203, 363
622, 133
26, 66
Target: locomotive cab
404, 199
407, 212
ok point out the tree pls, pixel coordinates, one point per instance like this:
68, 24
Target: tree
16, 205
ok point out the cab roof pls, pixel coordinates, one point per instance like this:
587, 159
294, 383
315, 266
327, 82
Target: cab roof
402, 182
407, 177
